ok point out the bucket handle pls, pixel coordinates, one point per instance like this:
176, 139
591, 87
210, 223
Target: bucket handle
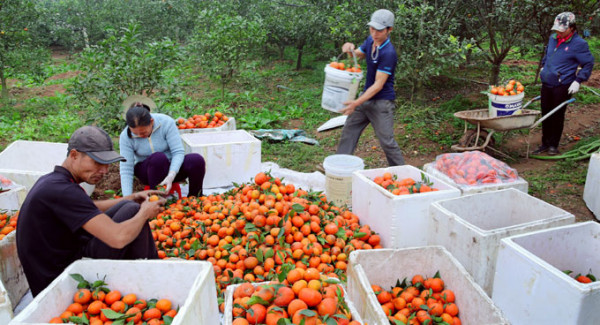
353, 56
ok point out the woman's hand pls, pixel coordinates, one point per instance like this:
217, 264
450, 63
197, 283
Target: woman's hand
168, 181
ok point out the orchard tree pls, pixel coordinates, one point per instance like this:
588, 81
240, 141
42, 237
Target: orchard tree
17, 45
498, 26
120, 66
224, 41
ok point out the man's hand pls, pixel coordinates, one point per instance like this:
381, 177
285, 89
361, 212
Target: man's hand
140, 197
168, 181
348, 48
152, 209
574, 88
349, 108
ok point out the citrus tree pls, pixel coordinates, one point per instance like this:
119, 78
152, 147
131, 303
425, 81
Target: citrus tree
120, 66
18, 50
224, 41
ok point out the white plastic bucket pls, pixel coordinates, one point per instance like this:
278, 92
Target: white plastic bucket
506, 105
338, 177
340, 86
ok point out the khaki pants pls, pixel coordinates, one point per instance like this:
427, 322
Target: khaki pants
380, 113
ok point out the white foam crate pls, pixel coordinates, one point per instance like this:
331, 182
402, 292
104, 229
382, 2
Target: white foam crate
231, 156
228, 310
591, 191
471, 227
530, 286
13, 198
401, 220
229, 125
24, 162
383, 267
6, 311
190, 285
519, 184
11, 272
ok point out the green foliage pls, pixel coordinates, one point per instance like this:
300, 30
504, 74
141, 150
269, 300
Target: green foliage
74, 23
120, 66
223, 42
17, 47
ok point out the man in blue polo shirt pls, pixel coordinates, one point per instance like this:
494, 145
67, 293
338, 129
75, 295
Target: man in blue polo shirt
376, 103
59, 223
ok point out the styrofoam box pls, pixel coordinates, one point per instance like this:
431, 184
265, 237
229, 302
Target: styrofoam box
530, 286
401, 220
24, 162
6, 312
231, 156
519, 184
227, 126
11, 271
591, 191
228, 311
190, 285
383, 267
13, 198
471, 227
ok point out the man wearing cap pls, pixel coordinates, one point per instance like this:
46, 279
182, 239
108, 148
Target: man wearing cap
59, 223
376, 104
566, 52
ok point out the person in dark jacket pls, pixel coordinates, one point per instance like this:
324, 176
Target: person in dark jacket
561, 77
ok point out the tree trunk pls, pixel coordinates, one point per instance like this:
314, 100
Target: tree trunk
468, 56
495, 73
299, 59
4, 85
281, 51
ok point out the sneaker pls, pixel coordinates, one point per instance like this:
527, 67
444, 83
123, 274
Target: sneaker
541, 149
553, 151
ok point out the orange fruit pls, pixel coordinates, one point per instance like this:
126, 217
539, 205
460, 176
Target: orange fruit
164, 305
310, 296
82, 296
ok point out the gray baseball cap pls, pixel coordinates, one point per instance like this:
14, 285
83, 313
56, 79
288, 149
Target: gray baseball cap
563, 21
96, 143
381, 19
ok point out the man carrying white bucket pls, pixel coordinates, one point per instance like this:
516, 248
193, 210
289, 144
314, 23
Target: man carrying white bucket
376, 104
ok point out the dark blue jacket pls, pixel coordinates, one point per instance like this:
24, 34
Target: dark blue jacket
560, 63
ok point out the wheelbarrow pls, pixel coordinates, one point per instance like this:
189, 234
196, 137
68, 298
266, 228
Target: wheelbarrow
487, 126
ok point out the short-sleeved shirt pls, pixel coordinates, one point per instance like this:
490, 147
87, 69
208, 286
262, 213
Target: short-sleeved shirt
385, 61
49, 230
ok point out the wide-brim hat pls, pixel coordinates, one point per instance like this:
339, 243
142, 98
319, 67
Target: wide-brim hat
129, 101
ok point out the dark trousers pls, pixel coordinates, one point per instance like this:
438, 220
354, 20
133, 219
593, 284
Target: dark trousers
380, 113
155, 168
142, 246
552, 127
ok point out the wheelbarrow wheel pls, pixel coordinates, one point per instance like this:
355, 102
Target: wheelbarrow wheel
469, 138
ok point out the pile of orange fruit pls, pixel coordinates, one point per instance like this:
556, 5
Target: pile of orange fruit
404, 186
8, 223
97, 305
419, 301
256, 231
345, 66
512, 88
202, 121
308, 298
475, 168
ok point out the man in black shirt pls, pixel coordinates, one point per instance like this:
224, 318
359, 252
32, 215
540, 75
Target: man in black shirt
59, 223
